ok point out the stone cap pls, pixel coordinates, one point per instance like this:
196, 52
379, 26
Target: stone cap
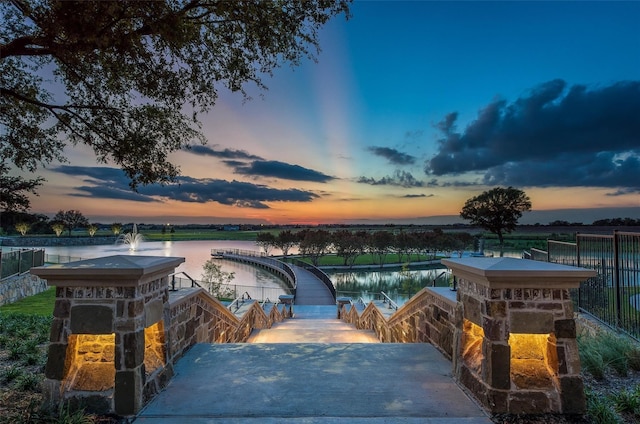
123, 270
517, 273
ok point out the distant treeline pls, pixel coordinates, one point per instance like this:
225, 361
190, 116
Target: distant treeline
613, 222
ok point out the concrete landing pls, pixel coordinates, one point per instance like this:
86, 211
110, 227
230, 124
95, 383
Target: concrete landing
312, 383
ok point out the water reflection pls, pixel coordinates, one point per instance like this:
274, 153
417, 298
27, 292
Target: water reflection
259, 283
399, 285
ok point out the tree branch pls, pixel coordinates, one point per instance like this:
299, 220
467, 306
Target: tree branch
35, 102
21, 47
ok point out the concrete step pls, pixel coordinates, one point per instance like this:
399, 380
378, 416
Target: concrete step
312, 323
313, 331
312, 383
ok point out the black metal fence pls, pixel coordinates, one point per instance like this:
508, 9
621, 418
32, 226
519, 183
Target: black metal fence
612, 296
19, 261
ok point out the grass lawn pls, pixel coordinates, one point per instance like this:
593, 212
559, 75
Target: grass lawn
204, 234
40, 304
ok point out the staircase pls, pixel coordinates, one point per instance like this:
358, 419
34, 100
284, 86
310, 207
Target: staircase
310, 329
312, 369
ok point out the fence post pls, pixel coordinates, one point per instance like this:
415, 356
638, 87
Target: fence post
616, 278
578, 264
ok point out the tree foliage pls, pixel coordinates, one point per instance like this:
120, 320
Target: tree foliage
70, 219
314, 243
22, 228
285, 240
57, 227
14, 191
216, 280
131, 78
266, 241
116, 227
92, 229
497, 210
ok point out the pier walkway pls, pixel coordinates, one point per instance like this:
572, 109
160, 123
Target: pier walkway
310, 284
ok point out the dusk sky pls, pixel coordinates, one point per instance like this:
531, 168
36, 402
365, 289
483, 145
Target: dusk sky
412, 108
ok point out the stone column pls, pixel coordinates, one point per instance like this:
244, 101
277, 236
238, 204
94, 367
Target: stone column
97, 344
516, 336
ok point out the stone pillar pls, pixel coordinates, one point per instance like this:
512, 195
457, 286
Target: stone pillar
516, 347
97, 344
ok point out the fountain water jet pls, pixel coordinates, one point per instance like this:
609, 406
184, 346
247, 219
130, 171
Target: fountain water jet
133, 239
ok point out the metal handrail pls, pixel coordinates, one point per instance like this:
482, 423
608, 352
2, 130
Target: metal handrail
239, 301
360, 301
194, 283
262, 258
433, 283
387, 299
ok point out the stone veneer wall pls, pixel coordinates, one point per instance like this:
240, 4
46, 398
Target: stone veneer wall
18, 287
428, 317
500, 312
117, 330
373, 319
56, 241
197, 317
193, 316
123, 311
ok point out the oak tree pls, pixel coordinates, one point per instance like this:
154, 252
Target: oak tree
70, 219
131, 78
497, 210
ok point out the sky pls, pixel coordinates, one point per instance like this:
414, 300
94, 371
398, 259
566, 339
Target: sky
411, 109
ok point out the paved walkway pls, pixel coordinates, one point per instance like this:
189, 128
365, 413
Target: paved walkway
313, 383
310, 290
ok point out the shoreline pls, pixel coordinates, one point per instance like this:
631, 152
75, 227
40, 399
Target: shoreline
80, 241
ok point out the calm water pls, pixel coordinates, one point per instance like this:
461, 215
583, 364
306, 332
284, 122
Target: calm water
196, 253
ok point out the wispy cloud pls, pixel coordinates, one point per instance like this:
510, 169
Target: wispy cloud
414, 196
399, 178
223, 154
555, 136
392, 155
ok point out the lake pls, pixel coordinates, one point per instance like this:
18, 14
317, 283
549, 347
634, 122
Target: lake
258, 282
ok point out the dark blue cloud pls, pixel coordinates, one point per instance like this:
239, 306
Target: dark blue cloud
276, 169
108, 183
223, 154
392, 155
399, 178
105, 183
555, 136
413, 196
235, 193
102, 174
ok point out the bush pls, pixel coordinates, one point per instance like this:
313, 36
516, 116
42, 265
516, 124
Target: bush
11, 374
608, 351
627, 401
28, 382
601, 412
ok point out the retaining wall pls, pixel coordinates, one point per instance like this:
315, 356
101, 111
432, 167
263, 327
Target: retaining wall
20, 286
56, 241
